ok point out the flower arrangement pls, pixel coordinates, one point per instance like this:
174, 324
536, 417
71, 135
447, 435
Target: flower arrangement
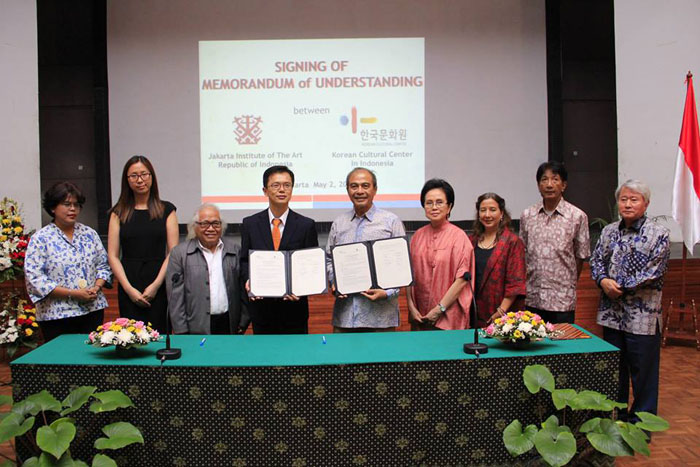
520, 326
13, 240
18, 326
124, 333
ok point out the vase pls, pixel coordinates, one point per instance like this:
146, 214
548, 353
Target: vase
125, 352
519, 344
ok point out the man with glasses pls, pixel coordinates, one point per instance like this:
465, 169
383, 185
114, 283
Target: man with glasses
203, 279
277, 228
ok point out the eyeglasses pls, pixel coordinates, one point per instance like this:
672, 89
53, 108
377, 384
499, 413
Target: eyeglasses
206, 224
438, 204
145, 176
68, 205
277, 185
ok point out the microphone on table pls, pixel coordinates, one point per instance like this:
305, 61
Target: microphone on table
167, 353
476, 348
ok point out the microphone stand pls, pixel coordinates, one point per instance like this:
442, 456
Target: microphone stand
167, 353
476, 348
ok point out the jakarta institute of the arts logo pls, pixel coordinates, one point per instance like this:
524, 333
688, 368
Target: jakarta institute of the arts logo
247, 129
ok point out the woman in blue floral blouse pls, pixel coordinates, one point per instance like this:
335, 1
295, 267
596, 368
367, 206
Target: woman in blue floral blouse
66, 267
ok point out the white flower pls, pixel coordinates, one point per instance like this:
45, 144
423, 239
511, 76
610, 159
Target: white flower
124, 337
525, 327
5, 263
107, 338
506, 328
542, 331
143, 335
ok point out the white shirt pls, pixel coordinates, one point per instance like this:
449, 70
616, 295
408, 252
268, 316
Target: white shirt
218, 299
283, 218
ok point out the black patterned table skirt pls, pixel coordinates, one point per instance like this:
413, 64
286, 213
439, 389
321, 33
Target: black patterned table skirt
380, 414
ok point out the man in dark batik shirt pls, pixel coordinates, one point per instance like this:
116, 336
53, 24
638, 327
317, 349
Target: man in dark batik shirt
628, 264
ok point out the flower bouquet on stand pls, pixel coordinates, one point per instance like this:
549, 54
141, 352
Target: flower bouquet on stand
18, 326
125, 334
13, 241
520, 328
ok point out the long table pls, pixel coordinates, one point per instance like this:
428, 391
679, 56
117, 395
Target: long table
376, 399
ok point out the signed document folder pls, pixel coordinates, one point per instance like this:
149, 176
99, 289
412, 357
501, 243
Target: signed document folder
279, 273
378, 264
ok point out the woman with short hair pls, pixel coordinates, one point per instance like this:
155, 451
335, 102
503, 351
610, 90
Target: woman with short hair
66, 267
441, 255
144, 229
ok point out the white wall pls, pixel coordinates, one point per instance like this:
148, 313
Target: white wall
656, 43
19, 114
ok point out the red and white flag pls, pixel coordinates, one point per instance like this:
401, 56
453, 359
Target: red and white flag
686, 186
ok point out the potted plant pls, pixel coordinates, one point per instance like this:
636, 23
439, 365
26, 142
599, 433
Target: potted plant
558, 443
49, 443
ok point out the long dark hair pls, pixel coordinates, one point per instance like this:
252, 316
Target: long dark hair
125, 205
505, 219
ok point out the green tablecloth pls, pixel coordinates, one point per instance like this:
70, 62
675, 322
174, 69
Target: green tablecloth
302, 350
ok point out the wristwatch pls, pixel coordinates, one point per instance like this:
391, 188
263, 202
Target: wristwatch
442, 308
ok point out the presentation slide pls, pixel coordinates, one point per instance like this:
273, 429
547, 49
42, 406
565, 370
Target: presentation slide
320, 107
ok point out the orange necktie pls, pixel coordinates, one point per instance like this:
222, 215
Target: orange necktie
276, 233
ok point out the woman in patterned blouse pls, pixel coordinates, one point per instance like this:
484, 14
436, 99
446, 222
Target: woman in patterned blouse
66, 267
500, 259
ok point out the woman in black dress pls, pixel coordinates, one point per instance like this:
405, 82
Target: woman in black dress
145, 229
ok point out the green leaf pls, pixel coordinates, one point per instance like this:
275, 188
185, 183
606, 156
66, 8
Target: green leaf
14, 425
591, 425
58, 421
5, 400
31, 462
45, 401
651, 422
67, 461
25, 407
551, 426
55, 440
100, 460
592, 400
110, 400
77, 398
556, 451
635, 437
562, 397
8, 463
119, 434
608, 439
537, 377
516, 441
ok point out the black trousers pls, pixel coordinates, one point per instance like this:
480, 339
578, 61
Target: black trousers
639, 360
220, 324
84, 324
554, 316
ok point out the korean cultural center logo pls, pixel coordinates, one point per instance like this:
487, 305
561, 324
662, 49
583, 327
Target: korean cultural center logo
247, 129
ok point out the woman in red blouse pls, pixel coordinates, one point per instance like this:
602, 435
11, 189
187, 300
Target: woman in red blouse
500, 259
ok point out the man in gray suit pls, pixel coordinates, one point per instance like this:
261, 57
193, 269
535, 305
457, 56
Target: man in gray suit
203, 279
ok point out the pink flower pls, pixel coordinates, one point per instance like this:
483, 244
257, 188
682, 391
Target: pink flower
106, 326
122, 321
92, 337
139, 325
549, 327
490, 329
155, 335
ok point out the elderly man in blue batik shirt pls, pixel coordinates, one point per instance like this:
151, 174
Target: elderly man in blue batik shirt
374, 309
628, 264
